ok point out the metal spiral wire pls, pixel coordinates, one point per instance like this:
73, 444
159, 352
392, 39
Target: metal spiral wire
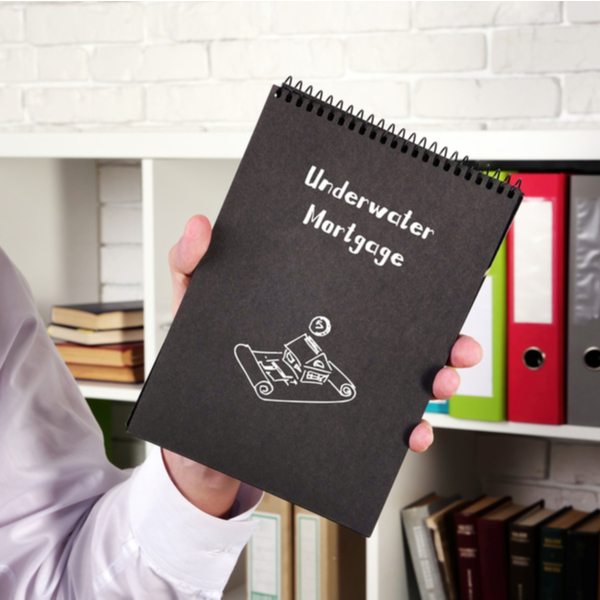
458, 167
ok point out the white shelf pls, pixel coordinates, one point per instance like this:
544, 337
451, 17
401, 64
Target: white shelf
568, 432
479, 145
123, 145
123, 392
187, 173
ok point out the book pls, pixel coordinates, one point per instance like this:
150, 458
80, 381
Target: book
111, 355
329, 559
523, 550
107, 373
420, 544
269, 558
90, 337
583, 317
492, 532
467, 544
482, 391
583, 558
536, 302
552, 554
99, 315
442, 528
341, 269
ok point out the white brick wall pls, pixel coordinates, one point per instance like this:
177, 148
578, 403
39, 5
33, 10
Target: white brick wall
531, 469
207, 65
83, 22
11, 108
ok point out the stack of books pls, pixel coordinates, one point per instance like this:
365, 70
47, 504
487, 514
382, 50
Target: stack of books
101, 341
490, 548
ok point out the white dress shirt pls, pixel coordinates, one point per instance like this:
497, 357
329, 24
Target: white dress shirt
73, 526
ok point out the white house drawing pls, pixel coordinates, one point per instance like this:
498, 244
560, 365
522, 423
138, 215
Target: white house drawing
302, 372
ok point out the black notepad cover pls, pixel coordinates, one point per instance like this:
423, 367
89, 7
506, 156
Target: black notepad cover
303, 355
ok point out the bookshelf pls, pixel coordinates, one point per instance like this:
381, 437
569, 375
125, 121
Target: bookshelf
49, 225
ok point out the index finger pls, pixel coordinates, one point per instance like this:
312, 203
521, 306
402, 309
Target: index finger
466, 352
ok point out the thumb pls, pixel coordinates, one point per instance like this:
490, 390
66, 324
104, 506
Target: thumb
186, 254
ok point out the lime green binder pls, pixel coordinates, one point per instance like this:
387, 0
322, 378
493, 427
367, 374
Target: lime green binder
482, 394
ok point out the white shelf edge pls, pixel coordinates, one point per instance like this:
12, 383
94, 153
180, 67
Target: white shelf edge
123, 145
566, 432
481, 145
122, 392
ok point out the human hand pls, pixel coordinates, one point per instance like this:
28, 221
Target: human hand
465, 353
209, 490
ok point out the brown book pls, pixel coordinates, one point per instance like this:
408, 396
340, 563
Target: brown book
100, 337
467, 546
330, 560
441, 526
111, 355
103, 373
100, 315
492, 530
269, 562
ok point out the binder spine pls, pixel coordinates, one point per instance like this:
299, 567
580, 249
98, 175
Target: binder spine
468, 170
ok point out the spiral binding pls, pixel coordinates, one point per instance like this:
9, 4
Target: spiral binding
469, 170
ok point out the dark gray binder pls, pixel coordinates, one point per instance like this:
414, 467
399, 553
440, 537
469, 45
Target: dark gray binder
583, 329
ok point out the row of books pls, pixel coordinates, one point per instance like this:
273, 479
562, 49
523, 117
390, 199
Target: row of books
493, 549
537, 314
101, 341
295, 554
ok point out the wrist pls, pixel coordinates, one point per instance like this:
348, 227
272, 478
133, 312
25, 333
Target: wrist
208, 490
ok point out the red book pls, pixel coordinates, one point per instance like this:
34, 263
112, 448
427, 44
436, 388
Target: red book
467, 544
536, 302
492, 532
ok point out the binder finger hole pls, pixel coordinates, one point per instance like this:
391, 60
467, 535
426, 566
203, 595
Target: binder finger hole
534, 358
591, 359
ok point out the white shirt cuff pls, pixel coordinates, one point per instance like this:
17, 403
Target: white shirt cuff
184, 543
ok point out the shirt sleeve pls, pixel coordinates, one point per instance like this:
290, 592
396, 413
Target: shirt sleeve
71, 524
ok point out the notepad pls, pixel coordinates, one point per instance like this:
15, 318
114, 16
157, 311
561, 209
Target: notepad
342, 267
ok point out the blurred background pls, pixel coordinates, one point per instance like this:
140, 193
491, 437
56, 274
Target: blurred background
189, 66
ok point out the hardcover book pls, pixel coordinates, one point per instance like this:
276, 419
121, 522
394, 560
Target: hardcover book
553, 554
111, 355
107, 373
583, 558
443, 533
492, 531
95, 337
523, 549
341, 269
421, 545
467, 544
100, 315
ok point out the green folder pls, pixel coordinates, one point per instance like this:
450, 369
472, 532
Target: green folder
482, 395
